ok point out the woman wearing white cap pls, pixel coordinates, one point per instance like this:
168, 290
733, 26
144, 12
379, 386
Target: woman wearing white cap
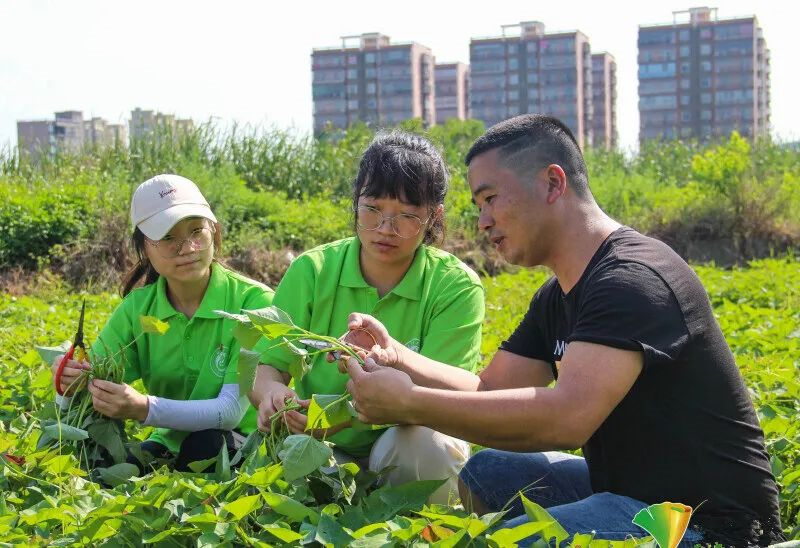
189, 372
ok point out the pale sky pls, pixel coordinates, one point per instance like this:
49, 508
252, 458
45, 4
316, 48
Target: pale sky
249, 61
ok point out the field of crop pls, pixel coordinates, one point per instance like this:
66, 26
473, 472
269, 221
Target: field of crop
47, 498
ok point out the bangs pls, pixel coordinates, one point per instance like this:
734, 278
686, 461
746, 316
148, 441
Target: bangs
400, 174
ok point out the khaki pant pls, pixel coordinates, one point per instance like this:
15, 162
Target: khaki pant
419, 453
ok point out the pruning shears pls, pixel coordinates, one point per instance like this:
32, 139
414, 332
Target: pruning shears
77, 346
321, 345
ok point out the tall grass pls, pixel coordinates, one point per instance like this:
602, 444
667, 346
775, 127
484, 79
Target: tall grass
276, 191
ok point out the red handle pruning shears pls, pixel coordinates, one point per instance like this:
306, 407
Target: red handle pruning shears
77, 344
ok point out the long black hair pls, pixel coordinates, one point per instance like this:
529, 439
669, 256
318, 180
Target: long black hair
407, 167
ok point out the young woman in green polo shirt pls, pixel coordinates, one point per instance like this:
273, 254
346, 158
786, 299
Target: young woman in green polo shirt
189, 373
428, 299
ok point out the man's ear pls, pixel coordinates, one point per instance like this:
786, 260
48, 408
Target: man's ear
556, 182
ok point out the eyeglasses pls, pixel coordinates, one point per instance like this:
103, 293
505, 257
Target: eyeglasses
404, 225
200, 239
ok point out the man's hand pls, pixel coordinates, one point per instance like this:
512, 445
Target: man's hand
118, 401
70, 374
273, 400
381, 395
298, 422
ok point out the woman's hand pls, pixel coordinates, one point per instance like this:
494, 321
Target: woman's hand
70, 375
118, 401
367, 330
297, 423
273, 400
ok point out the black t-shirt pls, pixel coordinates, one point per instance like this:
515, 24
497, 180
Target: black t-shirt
686, 431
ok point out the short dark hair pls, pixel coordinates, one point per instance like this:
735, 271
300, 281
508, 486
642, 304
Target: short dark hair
533, 141
408, 167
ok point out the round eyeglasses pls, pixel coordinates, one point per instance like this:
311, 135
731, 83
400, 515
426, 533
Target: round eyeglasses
200, 239
404, 225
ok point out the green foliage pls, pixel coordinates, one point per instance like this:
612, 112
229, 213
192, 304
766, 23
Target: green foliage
274, 189
48, 499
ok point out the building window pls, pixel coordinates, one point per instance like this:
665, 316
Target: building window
369, 57
705, 49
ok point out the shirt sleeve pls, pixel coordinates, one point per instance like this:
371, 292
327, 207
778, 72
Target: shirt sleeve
528, 339
295, 296
223, 412
454, 332
257, 297
630, 307
115, 340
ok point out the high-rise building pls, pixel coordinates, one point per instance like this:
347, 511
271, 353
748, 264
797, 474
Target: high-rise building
703, 77
451, 82
604, 100
47, 137
68, 130
98, 132
534, 71
146, 123
375, 82
36, 138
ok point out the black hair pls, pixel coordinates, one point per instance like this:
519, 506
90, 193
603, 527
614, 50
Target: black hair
533, 141
407, 167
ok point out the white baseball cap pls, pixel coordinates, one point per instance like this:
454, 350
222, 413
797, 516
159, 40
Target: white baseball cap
163, 201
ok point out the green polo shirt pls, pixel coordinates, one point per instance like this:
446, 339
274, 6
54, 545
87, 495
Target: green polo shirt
436, 310
196, 356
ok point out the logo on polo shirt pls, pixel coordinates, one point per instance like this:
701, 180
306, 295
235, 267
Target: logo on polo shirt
219, 361
413, 345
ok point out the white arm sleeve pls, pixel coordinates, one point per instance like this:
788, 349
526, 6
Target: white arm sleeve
223, 412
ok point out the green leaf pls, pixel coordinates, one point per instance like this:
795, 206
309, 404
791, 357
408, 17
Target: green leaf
511, 536
535, 513
294, 511
243, 506
387, 502
109, 434
223, 468
269, 316
301, 455
327, 410
49, 353
118, 474
248, 362
298, 368
330, 533
264, 477
246, 334
151, 324
65, 432
273, 331
283, 534
250, 444
240, 318
200, 466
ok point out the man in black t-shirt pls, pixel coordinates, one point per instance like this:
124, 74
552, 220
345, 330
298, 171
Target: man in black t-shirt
645, 383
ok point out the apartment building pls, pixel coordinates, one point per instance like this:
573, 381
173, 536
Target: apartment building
100, 133
451, 81
47, 137
146, 123
604, 100
528, 70
369, 79
703, 77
